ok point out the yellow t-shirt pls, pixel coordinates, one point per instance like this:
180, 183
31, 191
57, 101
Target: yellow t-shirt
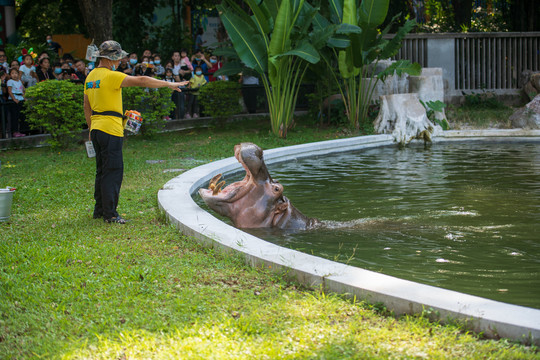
196, 82
104, 91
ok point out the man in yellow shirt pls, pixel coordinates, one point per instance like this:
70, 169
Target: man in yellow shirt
103, 113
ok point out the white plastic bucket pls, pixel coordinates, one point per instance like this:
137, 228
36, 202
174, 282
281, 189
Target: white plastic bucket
6, 199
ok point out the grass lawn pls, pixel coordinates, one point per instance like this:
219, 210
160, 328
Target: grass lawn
76, 288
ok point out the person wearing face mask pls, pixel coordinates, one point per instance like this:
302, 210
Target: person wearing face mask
198, 59
216, 65
159, 70
144, 68
133, 60
53, 46
195, 84
124, 66
58, 71
103, 114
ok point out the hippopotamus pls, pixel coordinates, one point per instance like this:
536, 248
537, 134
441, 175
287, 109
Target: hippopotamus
257, 201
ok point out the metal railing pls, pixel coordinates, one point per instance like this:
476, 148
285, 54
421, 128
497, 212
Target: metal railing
476, 60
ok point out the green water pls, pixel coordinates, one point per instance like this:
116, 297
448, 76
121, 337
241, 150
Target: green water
462, 216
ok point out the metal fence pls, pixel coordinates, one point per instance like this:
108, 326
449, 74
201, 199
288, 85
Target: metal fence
476, 60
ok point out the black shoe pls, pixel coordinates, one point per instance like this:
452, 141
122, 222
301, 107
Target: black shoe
117, 220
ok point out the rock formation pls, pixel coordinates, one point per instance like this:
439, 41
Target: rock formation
527, 117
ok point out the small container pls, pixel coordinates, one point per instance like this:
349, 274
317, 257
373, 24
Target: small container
133, 121
6, 199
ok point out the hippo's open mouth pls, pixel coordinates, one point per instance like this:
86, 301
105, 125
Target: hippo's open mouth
231, 193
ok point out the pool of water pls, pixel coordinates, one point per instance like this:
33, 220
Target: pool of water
462, 216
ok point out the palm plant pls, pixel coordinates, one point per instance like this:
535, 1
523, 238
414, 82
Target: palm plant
276, 42
357, 47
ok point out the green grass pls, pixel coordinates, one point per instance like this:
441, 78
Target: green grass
75, 288
480, 111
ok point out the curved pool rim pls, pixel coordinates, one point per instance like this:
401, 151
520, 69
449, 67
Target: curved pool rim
493, 318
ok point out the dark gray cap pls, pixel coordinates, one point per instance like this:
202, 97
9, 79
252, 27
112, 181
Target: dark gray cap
111, 50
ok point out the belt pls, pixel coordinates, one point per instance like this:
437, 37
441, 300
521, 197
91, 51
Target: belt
108, 113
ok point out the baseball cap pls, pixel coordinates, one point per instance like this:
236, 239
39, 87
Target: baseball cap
111, 50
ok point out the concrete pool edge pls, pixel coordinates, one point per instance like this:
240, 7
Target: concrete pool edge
495, 319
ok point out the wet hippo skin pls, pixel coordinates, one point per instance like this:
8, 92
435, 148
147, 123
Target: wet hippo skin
257, 201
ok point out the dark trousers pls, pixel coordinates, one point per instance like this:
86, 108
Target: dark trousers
179, 101
249, 93
109, 173
18, 119
193, 104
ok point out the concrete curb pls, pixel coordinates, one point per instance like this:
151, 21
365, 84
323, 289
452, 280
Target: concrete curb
495, 319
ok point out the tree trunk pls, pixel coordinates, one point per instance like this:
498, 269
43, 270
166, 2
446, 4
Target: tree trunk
97, 16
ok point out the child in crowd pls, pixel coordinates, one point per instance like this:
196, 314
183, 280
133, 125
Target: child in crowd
185, 63
169, 75
186, 68
195, 84
159, 70
16, 93
28, 71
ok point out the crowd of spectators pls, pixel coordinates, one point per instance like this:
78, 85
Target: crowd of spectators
16, 77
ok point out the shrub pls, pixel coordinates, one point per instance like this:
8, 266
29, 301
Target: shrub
221, 99
153, 104
56, 107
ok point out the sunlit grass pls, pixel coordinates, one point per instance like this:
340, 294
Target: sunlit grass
72, 287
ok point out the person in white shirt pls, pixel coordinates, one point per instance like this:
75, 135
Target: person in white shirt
28, 70
16, 93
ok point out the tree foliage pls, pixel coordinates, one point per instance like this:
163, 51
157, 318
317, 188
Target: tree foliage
221, 98
153, 104
56, 106
37, 18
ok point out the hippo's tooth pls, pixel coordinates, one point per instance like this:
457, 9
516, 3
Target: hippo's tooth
218, 187
214, 181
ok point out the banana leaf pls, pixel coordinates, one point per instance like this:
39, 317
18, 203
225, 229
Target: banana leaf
340, 42
373, 12
399, 68
349, 12
305, 51
336, 10
228, 52
248, 42
260, 19
320, 38
280, 41
348, 29
272, 6
230, 68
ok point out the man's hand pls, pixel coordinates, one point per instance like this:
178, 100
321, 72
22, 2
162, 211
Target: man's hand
176, 85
